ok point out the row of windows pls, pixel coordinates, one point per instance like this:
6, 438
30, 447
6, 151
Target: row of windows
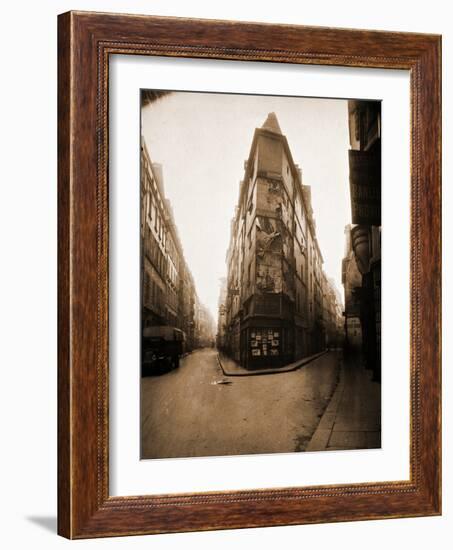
154, 217
153, 295
172, 274
155, 298
155, 220
172, 299
173, 254
159, 226
154, 253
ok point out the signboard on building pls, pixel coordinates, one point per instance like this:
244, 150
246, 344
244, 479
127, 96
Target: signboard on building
365, 187
265, 342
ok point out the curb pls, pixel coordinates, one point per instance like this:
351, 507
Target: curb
278, 370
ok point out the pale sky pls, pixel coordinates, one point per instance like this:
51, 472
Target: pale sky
202, 141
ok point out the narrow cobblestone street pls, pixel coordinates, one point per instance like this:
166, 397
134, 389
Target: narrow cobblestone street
197, 411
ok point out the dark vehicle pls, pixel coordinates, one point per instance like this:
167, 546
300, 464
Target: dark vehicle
162, 348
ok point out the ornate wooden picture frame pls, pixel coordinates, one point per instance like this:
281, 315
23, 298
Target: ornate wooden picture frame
85, 42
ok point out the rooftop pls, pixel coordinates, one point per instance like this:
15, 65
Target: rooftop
271, 123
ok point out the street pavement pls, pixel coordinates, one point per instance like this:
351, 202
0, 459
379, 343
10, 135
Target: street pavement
197, 411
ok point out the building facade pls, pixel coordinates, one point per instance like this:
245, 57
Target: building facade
168, 291
352, 283
274, 293
365, 233
221, 320
333, 314
204, 326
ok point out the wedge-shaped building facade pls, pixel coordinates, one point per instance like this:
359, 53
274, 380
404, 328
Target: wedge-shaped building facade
274, 301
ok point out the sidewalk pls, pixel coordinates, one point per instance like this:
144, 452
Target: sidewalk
352, 419
229, 367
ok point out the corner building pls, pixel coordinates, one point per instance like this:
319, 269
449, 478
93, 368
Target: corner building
274, 303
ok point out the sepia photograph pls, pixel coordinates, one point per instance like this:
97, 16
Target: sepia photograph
260, 232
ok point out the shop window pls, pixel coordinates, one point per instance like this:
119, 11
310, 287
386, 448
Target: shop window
265, 342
